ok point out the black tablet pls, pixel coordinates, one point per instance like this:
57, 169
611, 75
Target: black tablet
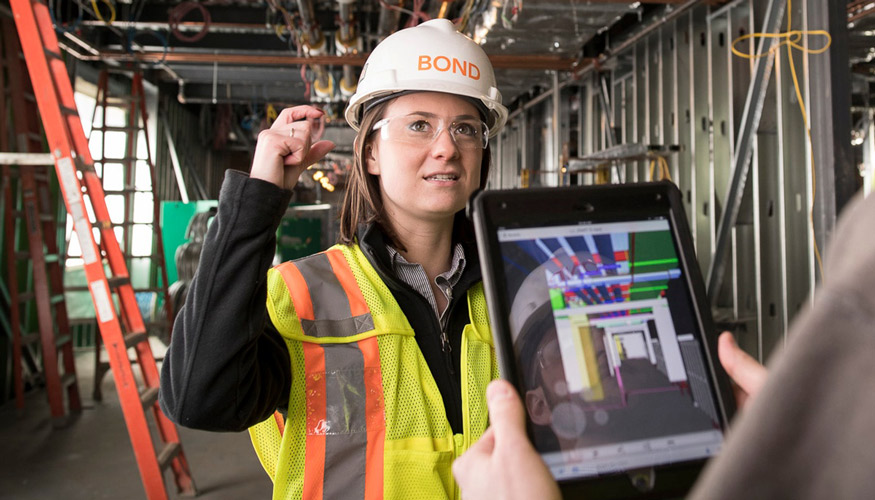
601, 322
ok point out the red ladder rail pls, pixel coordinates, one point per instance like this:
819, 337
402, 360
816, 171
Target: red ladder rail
40, 224
134, 104
122, 329
137, 90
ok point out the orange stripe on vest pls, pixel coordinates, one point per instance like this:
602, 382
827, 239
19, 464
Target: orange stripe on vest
357, 303
314, 458
298, 290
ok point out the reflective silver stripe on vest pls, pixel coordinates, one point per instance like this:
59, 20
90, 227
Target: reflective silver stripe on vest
345, 415
331, 312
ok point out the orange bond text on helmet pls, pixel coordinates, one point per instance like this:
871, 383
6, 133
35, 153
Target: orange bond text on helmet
453, 65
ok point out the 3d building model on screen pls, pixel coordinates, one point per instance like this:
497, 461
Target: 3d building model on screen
600, 316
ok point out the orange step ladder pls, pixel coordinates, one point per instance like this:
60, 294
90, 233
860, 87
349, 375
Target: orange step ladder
27, 196
120, 330
135, 132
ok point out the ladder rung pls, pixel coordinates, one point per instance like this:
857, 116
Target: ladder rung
57, 299
30, 338
63, 340
29, 97
135, 338
117, 282
149, 397
53, 55
117, 100
170, 451
118, 160
53, 257
126, 105
47, 218
68, 379
69, 111
114, 128
42, 177
34, 136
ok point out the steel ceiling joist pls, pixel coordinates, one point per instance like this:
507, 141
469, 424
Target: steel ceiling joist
538, 41
531, 62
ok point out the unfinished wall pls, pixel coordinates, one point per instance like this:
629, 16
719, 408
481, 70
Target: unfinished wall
681, 86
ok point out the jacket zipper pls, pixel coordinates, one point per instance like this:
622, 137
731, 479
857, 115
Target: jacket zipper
446, 347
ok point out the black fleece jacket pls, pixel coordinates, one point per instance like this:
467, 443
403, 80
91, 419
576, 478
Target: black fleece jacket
227, 367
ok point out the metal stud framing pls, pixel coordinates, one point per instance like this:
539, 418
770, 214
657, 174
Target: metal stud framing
681, 84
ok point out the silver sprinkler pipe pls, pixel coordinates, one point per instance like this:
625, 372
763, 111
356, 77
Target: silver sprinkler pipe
314, 44
389, 18
347, 42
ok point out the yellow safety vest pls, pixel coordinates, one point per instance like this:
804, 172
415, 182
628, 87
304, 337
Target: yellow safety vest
366, 419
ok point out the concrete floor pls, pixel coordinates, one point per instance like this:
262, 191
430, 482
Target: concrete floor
92, 458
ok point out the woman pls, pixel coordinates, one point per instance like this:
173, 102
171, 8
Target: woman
376, 352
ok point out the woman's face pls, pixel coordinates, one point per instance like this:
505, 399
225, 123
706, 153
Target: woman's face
423, 179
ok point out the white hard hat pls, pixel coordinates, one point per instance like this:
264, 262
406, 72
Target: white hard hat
431, 57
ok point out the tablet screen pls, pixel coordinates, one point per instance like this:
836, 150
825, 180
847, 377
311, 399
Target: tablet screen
610, 354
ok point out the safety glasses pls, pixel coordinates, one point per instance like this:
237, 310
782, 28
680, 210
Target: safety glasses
423, 129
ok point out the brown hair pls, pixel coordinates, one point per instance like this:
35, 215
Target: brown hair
362, 203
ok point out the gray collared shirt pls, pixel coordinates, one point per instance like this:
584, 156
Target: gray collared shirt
414, 275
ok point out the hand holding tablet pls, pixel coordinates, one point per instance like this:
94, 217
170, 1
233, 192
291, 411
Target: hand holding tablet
601, 324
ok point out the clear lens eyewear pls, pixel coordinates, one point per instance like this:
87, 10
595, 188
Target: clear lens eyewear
422, 130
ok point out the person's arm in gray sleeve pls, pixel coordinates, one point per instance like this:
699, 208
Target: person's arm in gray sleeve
227, 368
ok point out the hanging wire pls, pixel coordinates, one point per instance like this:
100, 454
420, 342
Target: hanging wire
516, 6
288, 24
137, 10
99, 15
123, 37
791, 39
131, 39
417, 16
442, 13
664, 171
465, 15
306, 81
178, 12
69, 27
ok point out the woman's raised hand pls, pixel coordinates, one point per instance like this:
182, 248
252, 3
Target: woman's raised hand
284, 150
